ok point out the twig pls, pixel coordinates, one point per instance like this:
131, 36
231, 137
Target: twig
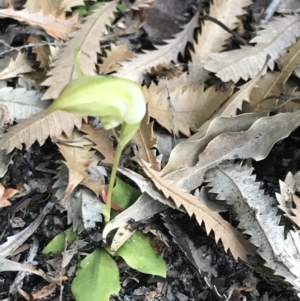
222, 25
269, 12
285, 98
27, 46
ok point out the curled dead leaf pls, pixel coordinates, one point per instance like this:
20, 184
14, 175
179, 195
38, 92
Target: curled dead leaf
5, 194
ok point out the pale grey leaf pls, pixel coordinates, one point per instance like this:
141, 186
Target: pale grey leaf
257, 215
203, 197
13, 266
84, 209
91, 205
146, 185
164, 54
18, 281
21, 103
287, 190
289, 7
248, 61
144, 208
254, 143
96, 173
4, 161
121, 236
60, 185
186, 153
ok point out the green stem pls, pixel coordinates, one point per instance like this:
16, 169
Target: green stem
113, 178
127, 132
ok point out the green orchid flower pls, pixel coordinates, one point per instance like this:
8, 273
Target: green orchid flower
116, 101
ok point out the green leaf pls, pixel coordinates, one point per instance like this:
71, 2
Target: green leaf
81, 11
139, 254
97, 278
122, 7
57, 244
95, 6
124, 195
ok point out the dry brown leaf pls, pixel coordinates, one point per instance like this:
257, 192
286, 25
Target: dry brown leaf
46, 6
229, 108
212, 36
168, 71
77, 160
32, 79
273, 83
57, 27
4, 203
50, 6
230, 237
277, 105
42, 52
24, 294
5, 194
164, 54
142, 4
114, 57
102, 140
145, 140
296, 217
287, 105
67, 4
130, 23
18, 66
96, 186
76, 139
181, 108
44, 292
138, 19
38, 128
248, 61
86, 40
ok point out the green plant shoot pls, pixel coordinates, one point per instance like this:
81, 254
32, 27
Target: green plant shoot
116, 101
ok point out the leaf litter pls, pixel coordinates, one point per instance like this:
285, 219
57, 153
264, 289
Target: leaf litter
234, 98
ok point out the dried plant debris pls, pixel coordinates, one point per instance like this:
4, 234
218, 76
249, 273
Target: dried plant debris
288, 199
220, 83
212, 36
246, 62
196, 255
164, 54
83, 40
213, 221
178, 109
243, 145
257, 216
288, 6
38, 128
